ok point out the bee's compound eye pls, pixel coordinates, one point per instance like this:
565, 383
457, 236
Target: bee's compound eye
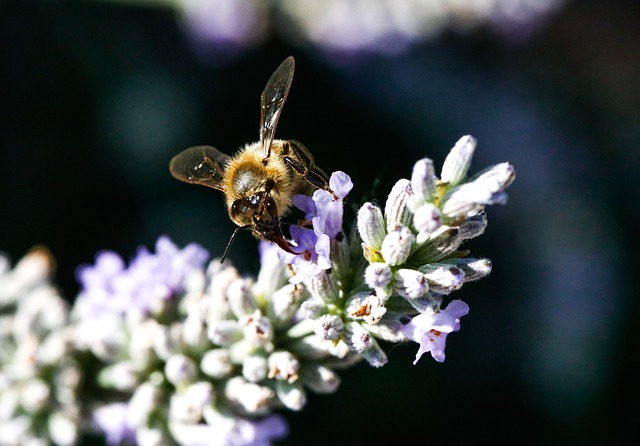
246, 205
254, 199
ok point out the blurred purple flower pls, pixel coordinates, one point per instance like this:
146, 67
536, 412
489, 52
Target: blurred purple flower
261, 432
112, 421
228, 25
226, 431
111, 287
430, 330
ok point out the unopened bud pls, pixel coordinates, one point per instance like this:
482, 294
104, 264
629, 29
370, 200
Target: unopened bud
457, 162
371, 225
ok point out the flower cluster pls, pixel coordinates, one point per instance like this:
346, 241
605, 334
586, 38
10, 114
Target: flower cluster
413, 247
38, 376
172, 347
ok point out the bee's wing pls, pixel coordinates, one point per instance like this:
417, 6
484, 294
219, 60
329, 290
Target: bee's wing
272, 100
203, 165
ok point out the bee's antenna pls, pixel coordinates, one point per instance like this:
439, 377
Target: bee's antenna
233, 236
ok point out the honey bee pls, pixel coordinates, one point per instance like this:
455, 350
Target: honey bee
260, 180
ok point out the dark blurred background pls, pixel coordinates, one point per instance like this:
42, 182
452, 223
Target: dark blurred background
97, 97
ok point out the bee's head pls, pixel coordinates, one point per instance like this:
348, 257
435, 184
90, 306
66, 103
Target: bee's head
259, 213
243, 210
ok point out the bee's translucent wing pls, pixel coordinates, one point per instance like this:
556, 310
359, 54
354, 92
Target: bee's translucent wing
272, 101
202, 165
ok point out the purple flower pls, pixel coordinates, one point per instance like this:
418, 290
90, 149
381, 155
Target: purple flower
112, 421
430, 330
261, 432
232, 431
328, 218
314, 253
325, 213
111, 287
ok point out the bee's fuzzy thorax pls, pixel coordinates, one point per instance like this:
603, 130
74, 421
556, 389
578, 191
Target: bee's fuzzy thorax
246, 174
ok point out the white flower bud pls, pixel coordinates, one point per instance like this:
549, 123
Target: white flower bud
188, 405
457, 163
256, 328
32, 269
63, 429
396, 246
182, 409
55, 347
285, 302
464, 200
273, 273
368, 307
395, 209
221, 276
166, 341
312, 348
67, 379
291, 395
485, 189
141, 404
225, 333
241, 299
216, 363
194, 332
362, 342
410, 283
359, 338
390, 328
313, 309
121, 376
141, 345
328, 327
252, 398
148, 436
371, 225
254, 368
423, 183
375, 355
473, 269
443, 278
16, 431
283, 366
497, 177
472, 226
243, 349
324, 286
319, 378
378, 275
180, 370
35, 395
427, 219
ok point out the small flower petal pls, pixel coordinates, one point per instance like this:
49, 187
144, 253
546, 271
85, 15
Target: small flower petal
430, 329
